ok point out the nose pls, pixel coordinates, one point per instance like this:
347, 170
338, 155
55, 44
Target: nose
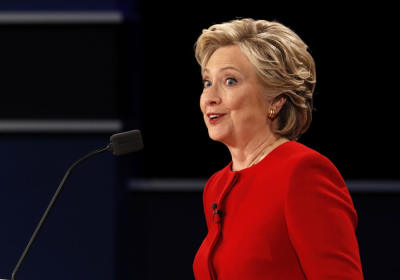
210, 96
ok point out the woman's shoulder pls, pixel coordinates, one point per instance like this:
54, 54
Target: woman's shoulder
290, 156
298, 153
307, 163
296, 158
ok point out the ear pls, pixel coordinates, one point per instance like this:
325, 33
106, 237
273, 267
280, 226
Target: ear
278, 102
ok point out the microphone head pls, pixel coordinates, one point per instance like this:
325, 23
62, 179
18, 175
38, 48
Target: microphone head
126, 142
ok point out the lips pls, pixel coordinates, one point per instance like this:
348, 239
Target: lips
214, 117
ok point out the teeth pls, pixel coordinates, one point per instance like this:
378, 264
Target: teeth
214, 116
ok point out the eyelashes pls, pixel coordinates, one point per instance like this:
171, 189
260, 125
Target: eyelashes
230, 81
206, 83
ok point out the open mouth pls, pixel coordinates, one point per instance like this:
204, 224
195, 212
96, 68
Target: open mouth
214, 117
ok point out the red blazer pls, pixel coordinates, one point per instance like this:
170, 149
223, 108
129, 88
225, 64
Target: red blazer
289, 217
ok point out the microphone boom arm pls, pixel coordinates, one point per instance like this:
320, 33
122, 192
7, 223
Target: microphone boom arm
50, 206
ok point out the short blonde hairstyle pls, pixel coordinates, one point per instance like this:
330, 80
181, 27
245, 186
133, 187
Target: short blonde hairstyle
280, 59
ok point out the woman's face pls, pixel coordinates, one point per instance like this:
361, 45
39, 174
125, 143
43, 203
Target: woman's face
233, 99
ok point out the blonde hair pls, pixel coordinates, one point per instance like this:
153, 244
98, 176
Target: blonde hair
280, 59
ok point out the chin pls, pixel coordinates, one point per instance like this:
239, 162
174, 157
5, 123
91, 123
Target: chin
219, 137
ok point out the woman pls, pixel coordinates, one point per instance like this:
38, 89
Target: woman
278, 210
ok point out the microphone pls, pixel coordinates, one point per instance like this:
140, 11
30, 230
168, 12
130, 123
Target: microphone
126, 142
120, 144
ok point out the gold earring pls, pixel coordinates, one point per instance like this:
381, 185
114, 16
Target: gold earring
271, 114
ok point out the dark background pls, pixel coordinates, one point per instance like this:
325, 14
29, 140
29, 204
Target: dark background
355, 101
142, 72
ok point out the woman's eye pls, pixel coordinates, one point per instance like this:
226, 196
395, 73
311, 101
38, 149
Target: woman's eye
230, 81
206, 83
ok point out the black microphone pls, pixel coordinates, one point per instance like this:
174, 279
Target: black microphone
120, 144
126, 142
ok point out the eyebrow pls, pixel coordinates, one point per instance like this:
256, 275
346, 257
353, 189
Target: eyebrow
223, 68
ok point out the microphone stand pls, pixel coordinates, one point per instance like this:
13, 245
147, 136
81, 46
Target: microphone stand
120, 144
50, 206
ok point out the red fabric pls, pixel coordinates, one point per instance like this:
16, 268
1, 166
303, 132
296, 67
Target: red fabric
289, 217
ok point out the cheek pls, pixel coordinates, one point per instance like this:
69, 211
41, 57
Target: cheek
235, 101
247, 108
242, 101
202, 107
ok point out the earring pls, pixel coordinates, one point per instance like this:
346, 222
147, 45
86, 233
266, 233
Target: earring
271, 114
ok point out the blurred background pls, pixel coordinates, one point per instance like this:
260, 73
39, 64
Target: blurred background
72, 73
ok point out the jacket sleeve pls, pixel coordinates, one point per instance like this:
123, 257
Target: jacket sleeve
321, 221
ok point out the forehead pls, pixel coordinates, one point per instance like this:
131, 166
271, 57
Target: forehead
228, 56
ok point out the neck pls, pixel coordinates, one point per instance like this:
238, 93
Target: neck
254, 151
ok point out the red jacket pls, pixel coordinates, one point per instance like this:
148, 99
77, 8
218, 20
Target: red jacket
289, 217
